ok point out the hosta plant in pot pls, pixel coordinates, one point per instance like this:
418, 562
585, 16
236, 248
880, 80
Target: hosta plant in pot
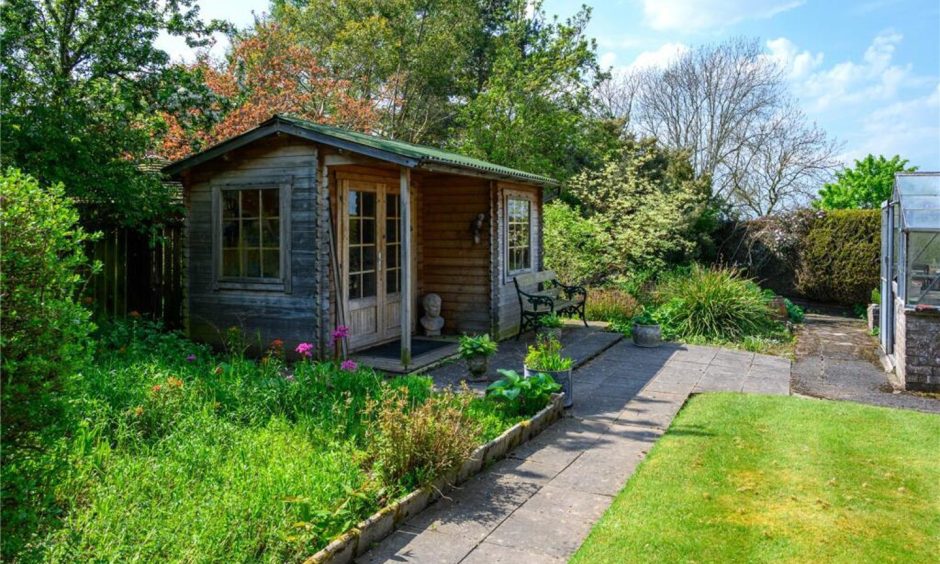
544, 357
476, 352
520, 395
549, 326
646, 331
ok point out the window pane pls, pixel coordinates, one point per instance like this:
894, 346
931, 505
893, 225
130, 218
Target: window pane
250, 203
392, 230
368, 284
353, 203
355, 259
391, 282
230, 233
368, 231
251, 235
269, 203
368, 204
392, 256
355, 286
355, 234
271, 264
253, 263
230, 261
368, 258
271, 232
229, 203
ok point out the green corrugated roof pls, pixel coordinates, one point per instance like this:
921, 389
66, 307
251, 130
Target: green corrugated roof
421, 153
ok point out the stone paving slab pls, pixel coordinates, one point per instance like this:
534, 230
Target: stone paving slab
539, 503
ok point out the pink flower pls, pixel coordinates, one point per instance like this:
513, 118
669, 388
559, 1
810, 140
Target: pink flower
191, 358
305, 349
341, 332
349, 366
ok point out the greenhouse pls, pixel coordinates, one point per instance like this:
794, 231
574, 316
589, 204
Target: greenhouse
910, 280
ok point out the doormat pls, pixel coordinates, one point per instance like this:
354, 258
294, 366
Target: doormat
392, 349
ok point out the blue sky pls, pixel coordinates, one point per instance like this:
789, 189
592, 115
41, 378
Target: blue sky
867, 71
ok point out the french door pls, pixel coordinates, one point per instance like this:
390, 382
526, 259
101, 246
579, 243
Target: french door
371, 249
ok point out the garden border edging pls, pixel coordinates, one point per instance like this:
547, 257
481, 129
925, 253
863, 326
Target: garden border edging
380, 524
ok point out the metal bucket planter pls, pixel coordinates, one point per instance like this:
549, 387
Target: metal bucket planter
647, 335
478, 365
562, 377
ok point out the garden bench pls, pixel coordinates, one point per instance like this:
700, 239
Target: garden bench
541, 294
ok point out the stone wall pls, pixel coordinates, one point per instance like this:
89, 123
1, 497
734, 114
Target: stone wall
917, 349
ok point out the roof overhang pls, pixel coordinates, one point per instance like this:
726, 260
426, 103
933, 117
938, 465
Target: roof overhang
277, 125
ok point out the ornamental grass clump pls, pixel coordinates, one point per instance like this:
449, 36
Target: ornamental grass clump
411, 442
711, 304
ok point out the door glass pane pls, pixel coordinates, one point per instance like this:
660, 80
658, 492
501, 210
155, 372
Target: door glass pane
363, 245
368, 284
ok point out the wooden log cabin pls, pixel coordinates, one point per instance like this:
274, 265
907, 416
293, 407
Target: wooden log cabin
295, 228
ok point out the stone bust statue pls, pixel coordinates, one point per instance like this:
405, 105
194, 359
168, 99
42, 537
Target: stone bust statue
432, 320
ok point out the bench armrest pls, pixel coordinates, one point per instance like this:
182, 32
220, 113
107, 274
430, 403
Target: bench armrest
536, 300
571, 291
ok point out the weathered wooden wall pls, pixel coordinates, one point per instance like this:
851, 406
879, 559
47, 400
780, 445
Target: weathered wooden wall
453, 265
290, 315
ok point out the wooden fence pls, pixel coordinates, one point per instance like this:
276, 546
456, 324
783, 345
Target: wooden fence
139, 274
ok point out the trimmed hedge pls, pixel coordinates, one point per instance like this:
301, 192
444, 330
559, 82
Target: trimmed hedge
823, 256
839, 261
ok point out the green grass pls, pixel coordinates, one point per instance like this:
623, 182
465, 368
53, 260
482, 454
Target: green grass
148, 456
741, 478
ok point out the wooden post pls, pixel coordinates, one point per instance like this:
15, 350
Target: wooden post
406, 281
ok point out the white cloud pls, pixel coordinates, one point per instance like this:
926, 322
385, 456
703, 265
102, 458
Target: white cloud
239, 12
796, 64
607, 59
685, 15
665, 54
910, 128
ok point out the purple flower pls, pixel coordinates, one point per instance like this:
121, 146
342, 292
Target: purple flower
289, 378
191, 358
341, 332
305, 349
349, 366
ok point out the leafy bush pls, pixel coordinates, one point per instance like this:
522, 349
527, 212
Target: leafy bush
550, 321
839, 261
711, 303
45, 331
876, 296
644, 317
794, 312
481, 345
545, 354
572, 244
522, 395
411, 443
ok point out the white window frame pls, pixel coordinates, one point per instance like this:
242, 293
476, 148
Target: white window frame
282, 282
533, 247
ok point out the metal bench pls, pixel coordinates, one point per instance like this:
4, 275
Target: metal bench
541, 294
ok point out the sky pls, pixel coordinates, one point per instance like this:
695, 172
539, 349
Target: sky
866, 71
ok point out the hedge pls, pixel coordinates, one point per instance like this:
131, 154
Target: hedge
839, 261
823, 256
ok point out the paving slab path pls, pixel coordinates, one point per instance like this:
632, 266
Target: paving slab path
539, 503
837, 359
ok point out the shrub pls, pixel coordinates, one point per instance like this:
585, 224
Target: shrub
519, 395
572, 244
411, 443
839, 261
545, 354
610, 304
711, 303
794, 312
45, 331
482, 345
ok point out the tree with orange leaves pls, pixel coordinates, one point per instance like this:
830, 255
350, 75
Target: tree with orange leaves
267, 72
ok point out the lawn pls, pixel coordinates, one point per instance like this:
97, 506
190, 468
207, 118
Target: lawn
162, 450
741, 478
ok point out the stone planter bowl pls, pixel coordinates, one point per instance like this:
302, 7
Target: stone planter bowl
478, 365
647, 335
563, 377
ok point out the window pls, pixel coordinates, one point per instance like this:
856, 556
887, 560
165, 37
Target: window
518, 235
251, 238
363, 242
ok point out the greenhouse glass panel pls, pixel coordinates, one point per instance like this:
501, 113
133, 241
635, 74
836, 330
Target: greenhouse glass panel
923, 267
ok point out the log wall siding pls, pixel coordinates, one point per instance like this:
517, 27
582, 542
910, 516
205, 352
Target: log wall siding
507, 307
264, 315
453, 266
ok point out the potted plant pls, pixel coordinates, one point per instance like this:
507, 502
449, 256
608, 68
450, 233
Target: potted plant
476, 352
544, 357
549, 326
646, 331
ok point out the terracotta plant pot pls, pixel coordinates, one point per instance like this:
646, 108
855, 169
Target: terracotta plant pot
562, 377
647, 335
478, 365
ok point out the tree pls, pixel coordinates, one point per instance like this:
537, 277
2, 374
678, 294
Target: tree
865, 186
83, 84
533, 110
649, 208
728, 105
267, 72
